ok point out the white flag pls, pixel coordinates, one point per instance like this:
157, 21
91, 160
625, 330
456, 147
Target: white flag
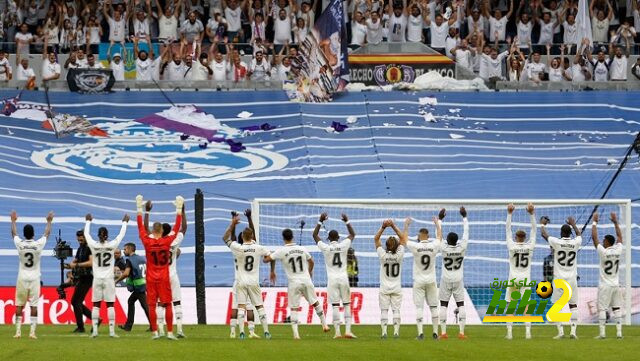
583, 23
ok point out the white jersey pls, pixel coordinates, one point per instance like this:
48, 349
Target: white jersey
102, 252
453, 256
294, 260
555, 74
29, 252
247, 258
335, 258
610, 264
520, 254
618, 68
390, 270
173, 253
424, 260
117, 69
565, 250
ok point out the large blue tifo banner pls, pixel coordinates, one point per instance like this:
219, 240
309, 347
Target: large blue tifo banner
323, 67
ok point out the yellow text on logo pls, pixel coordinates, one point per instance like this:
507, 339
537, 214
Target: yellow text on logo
554, 314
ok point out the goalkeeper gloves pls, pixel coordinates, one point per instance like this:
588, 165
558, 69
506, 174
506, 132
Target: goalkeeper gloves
139, 203
179, 203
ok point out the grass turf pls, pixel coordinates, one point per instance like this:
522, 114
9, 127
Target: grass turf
212, 343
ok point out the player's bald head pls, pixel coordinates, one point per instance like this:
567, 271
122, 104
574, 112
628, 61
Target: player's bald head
565, 230
333, 235
452, 238
27, 231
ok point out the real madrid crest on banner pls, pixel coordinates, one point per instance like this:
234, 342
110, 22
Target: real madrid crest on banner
392, 73
90, 80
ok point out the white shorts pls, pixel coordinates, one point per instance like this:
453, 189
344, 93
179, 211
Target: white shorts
249, 295
557, 292
428, 291
447, 289
234, 298
390, 299
301, 288
339, 291
104, 289
176, 293
27, 290
608, 296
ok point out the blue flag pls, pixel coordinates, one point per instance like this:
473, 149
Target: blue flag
323, 66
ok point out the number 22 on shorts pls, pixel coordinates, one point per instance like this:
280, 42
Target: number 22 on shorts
554, 314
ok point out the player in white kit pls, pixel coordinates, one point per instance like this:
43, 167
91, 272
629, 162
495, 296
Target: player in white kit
565, 266
390, 276
609, 252
335, 258
104, 285
249, 308
28, 283
248, 256
452, 279
298, 265
520, 258
425, 285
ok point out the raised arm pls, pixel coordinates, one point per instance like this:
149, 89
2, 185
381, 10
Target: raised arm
47, 229
105, 12
87, 231
179, 203
183, 226
572, 222
316, 231
376, 238
14, 226
147, 209
441, 215
352, 233
231, 230
510, 10
142, 230
594, 230
123, 230
614, 220
454, 14
543, 230
509, 235
399, 233
534, 227
465, 227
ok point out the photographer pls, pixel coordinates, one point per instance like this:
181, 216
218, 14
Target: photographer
81, 267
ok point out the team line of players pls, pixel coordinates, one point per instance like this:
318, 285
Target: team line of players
298, 265
163, 286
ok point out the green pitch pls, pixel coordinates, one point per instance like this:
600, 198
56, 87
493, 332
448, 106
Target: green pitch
212, 343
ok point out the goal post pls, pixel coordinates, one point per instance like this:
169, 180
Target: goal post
487, 255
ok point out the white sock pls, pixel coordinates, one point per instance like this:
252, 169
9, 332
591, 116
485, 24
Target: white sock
443, 319
320, 313
34, 323
462, 318
95, 316
233, 323
262, 315
419, 313
602, 320
396, 322
252, 326
294, 323
560, 329
617, 314
384, 318
435, 319
574, 320
347, 318
177, 310
18, 324
527, 328
335, 314
111, 315
161, 319
241, 313
509, 328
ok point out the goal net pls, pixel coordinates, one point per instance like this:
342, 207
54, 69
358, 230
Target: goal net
487, 256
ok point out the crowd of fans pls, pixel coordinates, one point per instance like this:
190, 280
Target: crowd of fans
208, 39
